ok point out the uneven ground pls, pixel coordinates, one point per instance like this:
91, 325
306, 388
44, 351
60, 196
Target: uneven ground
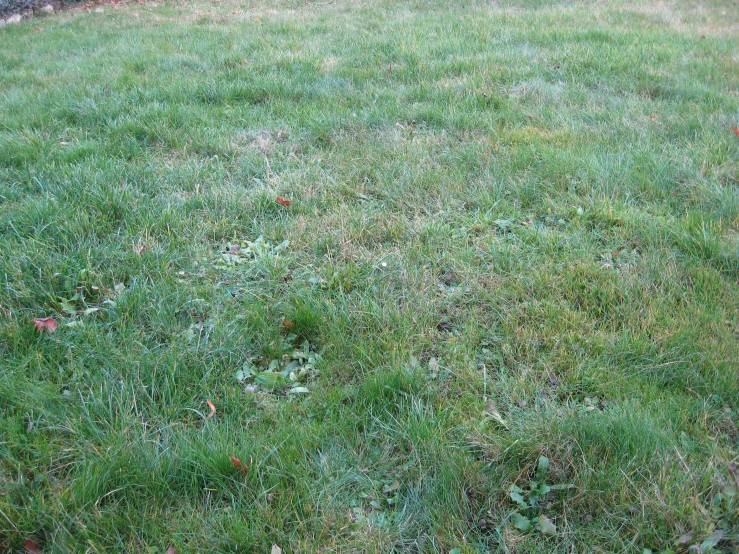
512, 234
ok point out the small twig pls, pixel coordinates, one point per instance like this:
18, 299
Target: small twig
269, 177
687, 469
9, 521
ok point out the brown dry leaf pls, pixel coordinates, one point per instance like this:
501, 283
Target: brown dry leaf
243, 468
286, 326
654, 116
47, 324
736, 130
30, 546
284, 201
212, 409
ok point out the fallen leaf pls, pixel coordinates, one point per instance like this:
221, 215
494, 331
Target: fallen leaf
394, 486
139, 248
171, 550
212, 409
63, 143
493, 412
286, 326
284, 201
546, 526
45, 324
243, 468
684, 539
433, 365
276, 549
31, 547
38, 28
654, 116
736, 130
444, 327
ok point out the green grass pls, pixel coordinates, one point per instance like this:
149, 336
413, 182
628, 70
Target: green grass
513, 233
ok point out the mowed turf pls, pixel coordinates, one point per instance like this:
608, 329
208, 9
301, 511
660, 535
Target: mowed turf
512, 233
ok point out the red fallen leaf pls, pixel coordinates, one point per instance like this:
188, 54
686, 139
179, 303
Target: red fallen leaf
45, 324
284, 201
243, 468
654, 116
736, 130
212, 409
30, 546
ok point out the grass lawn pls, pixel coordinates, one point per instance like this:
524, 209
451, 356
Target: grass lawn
509, 264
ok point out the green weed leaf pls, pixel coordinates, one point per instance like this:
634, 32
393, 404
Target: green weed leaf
270, 379
517, 496
522, 523
712, 540
541, 470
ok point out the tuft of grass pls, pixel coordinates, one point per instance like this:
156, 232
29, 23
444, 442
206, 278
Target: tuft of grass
512, 233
